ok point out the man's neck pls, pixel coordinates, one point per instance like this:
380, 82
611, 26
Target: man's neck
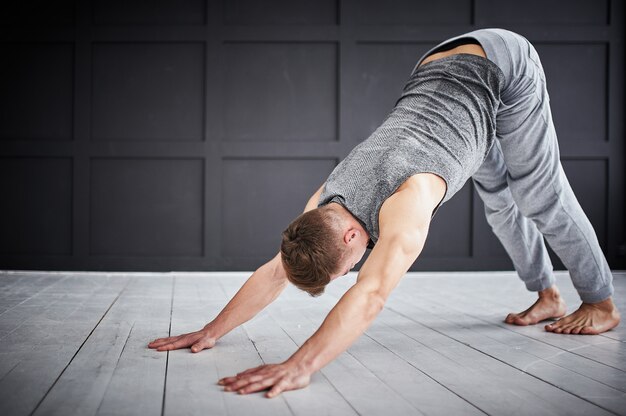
348, 220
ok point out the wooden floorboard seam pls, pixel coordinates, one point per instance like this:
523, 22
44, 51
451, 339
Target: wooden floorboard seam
116, 364
570, 350
485, 350
509, 329
404, 360
167, 357
79, 348
430, 327
321, 371
26, 300
385, 382
282, 396
439, 347
392, 387
425, 373
51, 284
296, 345
460, 396
373, 374
504, 362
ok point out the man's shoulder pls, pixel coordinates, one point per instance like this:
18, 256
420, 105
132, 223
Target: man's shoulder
411, 206
420, 190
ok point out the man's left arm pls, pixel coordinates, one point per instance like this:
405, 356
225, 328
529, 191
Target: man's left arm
403, 231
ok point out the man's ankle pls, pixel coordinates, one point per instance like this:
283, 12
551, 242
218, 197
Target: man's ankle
605, 305
551, 292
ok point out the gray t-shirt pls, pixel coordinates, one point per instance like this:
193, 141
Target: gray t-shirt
443, 123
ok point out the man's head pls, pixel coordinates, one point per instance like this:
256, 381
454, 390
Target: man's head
321, 245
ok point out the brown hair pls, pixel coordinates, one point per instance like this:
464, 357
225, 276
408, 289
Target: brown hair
311, 249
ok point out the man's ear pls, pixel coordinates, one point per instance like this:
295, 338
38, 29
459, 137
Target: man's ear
350, 235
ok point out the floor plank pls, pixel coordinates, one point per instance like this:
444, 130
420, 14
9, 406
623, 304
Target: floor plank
146, 305
191, 378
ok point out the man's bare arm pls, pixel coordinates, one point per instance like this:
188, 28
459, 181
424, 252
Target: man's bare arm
405, 229
261, 289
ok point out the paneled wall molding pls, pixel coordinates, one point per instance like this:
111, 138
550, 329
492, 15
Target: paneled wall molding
186, 134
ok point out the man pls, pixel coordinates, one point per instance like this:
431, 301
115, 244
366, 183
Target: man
474, 106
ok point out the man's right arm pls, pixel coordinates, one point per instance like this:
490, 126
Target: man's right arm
261, 289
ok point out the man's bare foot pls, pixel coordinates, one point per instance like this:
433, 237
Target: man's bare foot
549, 305
589, 319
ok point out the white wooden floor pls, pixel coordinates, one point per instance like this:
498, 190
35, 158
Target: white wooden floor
75, 344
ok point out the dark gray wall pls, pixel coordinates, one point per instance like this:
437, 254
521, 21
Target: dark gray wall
185, 135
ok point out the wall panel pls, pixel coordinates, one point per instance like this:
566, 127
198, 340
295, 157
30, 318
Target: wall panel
148, 91
36, 81
543, 13
149, 12
281, 12
414, 12
43, 185
146, 207
280, 91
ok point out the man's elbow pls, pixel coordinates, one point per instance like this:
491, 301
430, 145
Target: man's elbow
375, 304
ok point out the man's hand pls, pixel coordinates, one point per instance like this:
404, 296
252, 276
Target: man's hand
276, 377
260, 290
198, 341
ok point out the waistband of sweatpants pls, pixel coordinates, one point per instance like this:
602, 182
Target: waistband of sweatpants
497, 44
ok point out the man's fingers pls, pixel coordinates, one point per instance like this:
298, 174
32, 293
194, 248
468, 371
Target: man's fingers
259, 385
243, 382
162, 341
244, 377
181, 343
226, 380
229, 382
202, 344
277, 389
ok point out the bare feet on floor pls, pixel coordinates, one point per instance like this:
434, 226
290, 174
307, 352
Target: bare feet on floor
550, 305
589, 319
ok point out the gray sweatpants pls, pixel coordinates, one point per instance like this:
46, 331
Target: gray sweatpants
526, 193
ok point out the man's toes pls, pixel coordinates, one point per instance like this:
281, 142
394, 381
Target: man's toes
576, 330
589, 330
510, 318
567, 330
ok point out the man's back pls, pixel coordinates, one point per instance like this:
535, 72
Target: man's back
444, 123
